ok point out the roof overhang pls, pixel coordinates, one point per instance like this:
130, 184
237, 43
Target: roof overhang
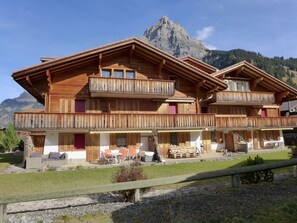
42, 72
283, 91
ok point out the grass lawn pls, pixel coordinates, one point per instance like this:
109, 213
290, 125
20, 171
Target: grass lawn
7, 159
53, 181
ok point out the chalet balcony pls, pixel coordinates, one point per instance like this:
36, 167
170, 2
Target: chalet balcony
106, 122
133, 88
256, 122
247, 98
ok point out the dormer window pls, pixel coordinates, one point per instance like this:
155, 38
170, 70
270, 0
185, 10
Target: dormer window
238, 85
118, 74
130, 74
106, 73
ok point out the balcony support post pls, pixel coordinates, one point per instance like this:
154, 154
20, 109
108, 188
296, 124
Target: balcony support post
197, 87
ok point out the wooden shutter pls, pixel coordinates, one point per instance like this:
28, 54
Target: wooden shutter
66, 142
66, 105
133, 139
92, 146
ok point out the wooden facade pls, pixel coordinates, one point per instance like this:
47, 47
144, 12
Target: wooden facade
121, 93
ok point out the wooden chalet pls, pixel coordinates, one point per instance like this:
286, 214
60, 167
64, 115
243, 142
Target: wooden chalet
120, 94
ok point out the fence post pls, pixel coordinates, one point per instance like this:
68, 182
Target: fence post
137, 195
235, 181
3, 213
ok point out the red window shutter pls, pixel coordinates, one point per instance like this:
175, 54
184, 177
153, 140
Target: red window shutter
79, 141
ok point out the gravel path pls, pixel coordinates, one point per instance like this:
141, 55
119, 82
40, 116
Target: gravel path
214, 203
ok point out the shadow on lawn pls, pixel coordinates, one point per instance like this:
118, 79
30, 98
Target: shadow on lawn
187, 205
10, 158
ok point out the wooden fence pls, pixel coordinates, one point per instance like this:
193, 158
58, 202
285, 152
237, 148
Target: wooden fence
137, 185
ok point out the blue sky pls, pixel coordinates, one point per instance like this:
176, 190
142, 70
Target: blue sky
30, 29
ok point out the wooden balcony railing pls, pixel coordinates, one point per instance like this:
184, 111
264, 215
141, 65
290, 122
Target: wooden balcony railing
46, 121
234, 97
122, 87
261, 122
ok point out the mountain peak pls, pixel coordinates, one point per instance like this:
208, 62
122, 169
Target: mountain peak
172, 38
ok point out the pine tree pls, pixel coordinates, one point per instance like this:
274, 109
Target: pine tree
9, 139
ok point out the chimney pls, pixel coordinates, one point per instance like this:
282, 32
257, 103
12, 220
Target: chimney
46, 59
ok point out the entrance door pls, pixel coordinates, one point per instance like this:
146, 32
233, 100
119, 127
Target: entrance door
172, 108
144, 143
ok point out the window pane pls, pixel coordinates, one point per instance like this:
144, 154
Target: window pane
121, 140
105, 73
118, 74
130, 74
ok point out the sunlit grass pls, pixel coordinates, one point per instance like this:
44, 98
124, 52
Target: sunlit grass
19, 184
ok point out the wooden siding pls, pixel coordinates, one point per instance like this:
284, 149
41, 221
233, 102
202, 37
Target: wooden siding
254, 98
121, 87
34, 121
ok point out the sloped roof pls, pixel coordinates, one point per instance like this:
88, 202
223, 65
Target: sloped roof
269, 81
199, 64
38, 72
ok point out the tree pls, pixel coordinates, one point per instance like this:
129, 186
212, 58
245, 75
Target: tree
9, 140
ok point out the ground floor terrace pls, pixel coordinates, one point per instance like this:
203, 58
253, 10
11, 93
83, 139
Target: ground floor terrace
86, 136
81, 146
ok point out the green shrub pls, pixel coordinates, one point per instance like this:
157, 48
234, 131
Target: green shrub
133, 172
258, 176
293, 153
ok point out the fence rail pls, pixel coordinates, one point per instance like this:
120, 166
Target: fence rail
233, 172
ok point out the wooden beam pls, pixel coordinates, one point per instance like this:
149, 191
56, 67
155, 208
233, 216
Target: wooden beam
239, 71
214, 89
131, 53
49, 78
29, 80
197, 88
99, 62
160, 67
255, 82
280, 95
200, 83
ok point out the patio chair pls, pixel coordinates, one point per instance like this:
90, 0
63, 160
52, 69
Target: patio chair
107, 156
132, 153
124, 154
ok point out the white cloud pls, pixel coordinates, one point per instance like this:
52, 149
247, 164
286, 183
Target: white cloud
210, 47
205, 32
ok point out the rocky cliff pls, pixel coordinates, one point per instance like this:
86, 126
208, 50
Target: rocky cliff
173, 39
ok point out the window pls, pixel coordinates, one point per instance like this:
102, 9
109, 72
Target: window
118, 74
235, 85
173, 138
106, 73
130, 74
121, 140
